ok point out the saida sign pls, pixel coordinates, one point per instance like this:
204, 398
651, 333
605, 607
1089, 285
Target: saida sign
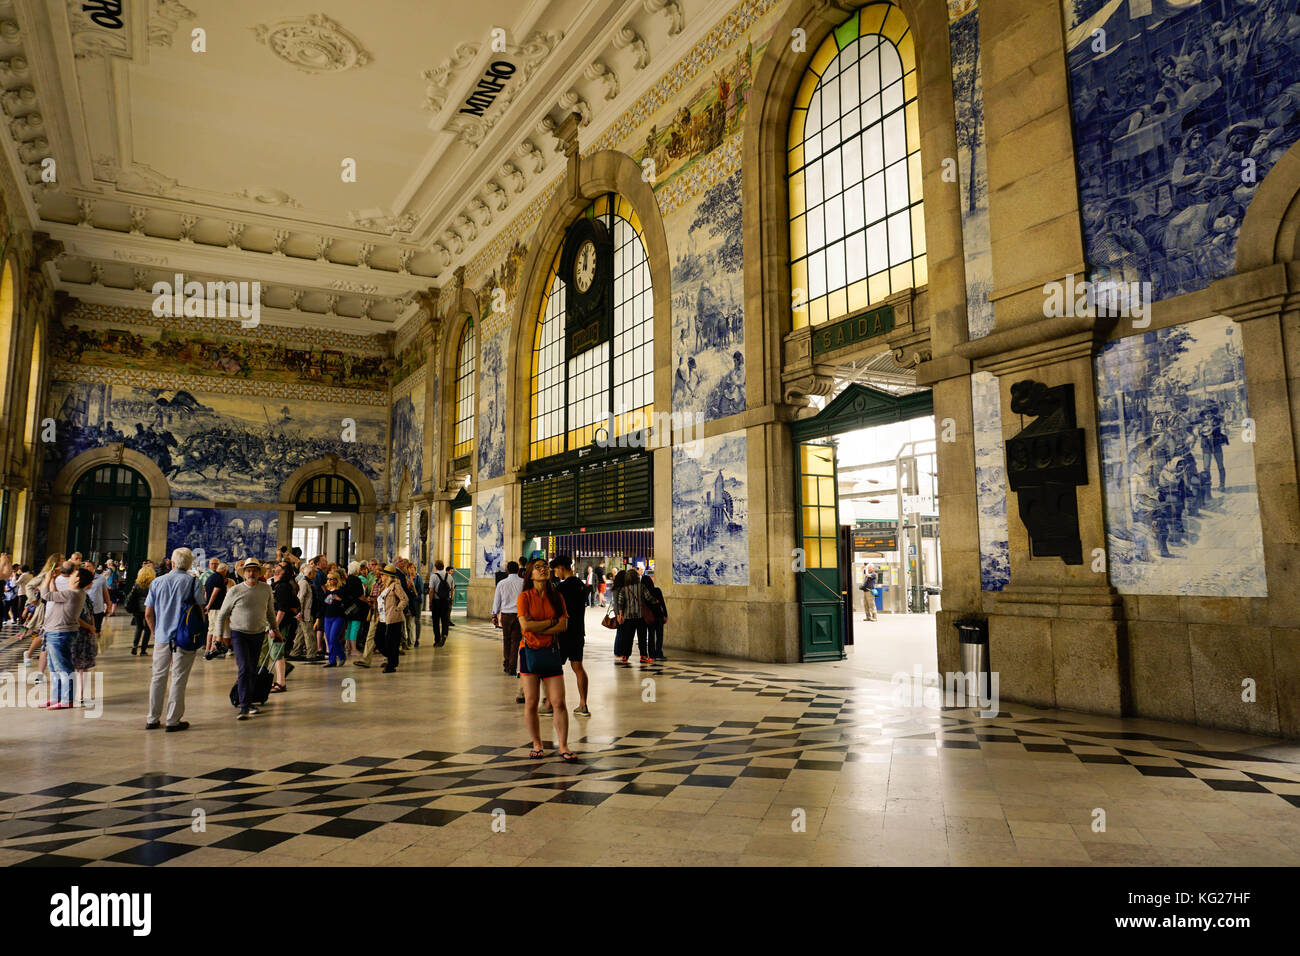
846, 332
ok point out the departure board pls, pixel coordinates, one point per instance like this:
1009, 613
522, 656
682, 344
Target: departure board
548, 502
874, 541
616, 492
613, 493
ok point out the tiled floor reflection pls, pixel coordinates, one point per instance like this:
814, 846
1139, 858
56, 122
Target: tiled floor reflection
700, 761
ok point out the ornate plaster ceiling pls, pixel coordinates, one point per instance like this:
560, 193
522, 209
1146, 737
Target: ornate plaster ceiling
232, 162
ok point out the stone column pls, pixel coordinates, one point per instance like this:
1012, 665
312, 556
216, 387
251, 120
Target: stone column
1057, 632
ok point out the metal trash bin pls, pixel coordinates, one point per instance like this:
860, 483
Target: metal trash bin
973, 633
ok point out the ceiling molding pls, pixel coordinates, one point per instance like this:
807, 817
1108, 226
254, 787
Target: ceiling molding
74, 90
237, 263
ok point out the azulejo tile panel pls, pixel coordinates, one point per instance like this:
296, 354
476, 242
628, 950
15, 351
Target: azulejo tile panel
212, 445
1182, 505
1180, 111
406, 456
708, 303
491, 439
120, 338
226, 534
711, 512
972, 165
489, 532
990, 482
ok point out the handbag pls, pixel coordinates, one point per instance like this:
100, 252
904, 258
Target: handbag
610, 619
539, 659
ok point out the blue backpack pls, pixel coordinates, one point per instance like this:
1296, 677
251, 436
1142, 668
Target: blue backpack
192, 628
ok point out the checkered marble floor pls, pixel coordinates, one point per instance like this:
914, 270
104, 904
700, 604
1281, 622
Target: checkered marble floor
700, 761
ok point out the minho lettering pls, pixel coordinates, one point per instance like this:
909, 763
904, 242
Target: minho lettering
486, 90
107, 13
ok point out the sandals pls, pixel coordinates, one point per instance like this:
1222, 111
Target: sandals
278, 688
536, 754
569, 757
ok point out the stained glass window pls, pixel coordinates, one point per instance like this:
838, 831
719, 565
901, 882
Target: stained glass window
573, 400
857, 233
464, 428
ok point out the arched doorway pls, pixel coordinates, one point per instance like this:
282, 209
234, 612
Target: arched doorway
325, 516
6, 344
110, 515
833, 550
462, 545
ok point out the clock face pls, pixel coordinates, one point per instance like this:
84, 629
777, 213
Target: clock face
584, 266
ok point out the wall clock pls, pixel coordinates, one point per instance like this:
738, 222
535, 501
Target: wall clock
586, 266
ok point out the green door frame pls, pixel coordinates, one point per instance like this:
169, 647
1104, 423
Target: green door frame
83, 505
821, 617
460, 576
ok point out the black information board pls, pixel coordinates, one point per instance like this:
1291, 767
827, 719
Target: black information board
614, 493
548, 502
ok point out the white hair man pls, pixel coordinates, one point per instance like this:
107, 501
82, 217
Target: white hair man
168, 597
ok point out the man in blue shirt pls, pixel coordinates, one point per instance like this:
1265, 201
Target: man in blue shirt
96, 595
167, 598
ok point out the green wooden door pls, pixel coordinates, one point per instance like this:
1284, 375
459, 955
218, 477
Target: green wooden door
109, 517
821, 605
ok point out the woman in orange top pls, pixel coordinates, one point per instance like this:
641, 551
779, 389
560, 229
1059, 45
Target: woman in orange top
542, 618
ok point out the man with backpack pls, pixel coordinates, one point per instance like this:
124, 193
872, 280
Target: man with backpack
441, 588
164, 610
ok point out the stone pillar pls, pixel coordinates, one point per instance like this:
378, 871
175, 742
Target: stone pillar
1057, 632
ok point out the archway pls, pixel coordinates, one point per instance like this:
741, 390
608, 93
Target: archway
829, 580
328, 507
110, 516
7, 299
152, 494
610, 206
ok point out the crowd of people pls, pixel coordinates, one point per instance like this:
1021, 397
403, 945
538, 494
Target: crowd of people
268, 615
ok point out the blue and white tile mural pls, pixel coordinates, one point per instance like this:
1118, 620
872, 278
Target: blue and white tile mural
489, 532
972, 163
227, 535
990, 482
492, 402
408, 444
711, 512
216, 446
1182, 507
704, 239
1181, 107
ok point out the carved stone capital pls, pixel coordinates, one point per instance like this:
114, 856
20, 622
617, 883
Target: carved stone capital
799, 391
45, 249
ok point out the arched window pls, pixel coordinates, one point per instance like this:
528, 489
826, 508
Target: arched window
465, 358
612, 381
33, 386
857, 233
6, 323
327, 493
